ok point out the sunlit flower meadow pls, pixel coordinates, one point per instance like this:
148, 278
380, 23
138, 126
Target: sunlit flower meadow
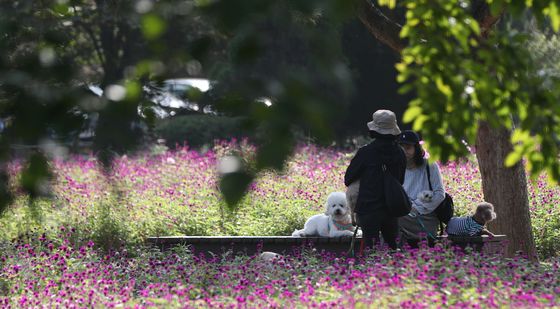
83, 247
49, 273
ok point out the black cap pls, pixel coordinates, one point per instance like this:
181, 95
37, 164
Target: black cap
409, 137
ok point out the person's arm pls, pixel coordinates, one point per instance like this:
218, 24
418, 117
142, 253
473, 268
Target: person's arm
438, 192
486, 232
354, 170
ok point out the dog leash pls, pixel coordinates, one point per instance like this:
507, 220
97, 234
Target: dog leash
424, 228
350, 252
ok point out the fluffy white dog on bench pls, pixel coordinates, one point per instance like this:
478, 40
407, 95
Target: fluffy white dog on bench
335, 222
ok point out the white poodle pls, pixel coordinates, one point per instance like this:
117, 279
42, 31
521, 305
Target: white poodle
335, 222
425, 196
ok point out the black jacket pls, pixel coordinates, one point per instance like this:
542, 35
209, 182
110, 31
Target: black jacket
366, 167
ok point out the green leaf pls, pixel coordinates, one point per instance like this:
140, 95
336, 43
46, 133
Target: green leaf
389, 3
36, 176
152, 26
405, 31
411, 113
443, 88
407, 59
554, 14
474, 27
512, 158
5, 194
133, 90
401, 67
273, 153
61, 8
520, 136
419, 122
233, 187
495, 7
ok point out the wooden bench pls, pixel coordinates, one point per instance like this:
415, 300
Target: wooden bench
487, 244
251, 244
285, 244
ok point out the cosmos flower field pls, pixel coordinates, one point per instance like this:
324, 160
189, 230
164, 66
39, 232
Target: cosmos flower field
83, 247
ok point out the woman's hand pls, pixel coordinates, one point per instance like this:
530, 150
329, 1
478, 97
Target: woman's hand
413, 211
486, 232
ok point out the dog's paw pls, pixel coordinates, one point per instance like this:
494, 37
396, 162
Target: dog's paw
297, 233
359, 233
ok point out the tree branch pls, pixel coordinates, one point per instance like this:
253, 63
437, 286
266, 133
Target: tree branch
380, 26
94, 40
387, 30
481, 13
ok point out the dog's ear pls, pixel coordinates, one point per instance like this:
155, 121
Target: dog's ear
328, 205
327, 209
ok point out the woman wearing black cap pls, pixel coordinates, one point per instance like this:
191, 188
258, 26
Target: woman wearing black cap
366, 166
422, 220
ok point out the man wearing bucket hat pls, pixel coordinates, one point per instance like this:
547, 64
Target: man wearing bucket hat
371, 212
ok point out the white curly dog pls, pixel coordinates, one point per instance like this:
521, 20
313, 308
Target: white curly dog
335, 222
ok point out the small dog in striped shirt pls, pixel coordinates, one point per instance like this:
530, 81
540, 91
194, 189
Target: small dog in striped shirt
473, 225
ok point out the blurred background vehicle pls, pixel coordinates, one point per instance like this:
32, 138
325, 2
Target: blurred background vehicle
179, 96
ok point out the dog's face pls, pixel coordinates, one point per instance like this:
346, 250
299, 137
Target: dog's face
426, 195
337, 205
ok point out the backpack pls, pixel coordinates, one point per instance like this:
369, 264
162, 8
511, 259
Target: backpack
396, 199
445, 209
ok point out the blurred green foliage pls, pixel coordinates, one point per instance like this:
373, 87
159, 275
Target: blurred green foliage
199, 130
53, 48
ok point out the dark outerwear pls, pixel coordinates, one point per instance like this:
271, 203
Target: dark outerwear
366, 167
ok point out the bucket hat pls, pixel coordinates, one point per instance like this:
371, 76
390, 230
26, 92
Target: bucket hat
384, 122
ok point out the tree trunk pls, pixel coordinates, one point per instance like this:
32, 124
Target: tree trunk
506, 188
